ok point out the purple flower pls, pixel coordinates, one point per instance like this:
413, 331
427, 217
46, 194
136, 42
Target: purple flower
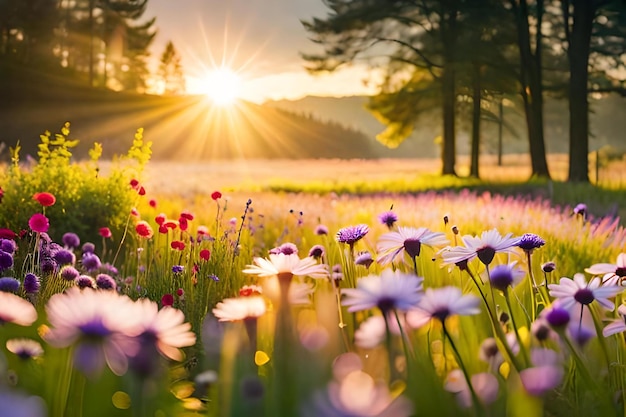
317, 251
89, 247
9, 284
557, 317
178, 269
15, 404
109, 269
6, 260
364, 259
285, 248
105, 282
529, 242
504, 276
47, 266
214, 277
388, 218
580, 210
85, 281
321, 230
548, 267
71, 240
69, 273
352, 234
64, 257
31, 283
91, 261
8, 245
577, 291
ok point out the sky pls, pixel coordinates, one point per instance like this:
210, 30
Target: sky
261, 40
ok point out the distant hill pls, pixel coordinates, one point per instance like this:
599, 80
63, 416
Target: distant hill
608, 124
181, 128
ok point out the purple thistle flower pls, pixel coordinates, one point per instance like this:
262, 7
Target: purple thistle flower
85, 281
352, 234
109, 269
317, 251
69, 273
6, 260
71, 240
64, 257
105, 282
91, 261
47, 266
9, 284
529, 242
178, 269
8, 245
89, 247
321, 230
388, 218
31, 283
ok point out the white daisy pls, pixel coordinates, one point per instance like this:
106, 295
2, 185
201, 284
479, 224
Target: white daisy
240, 308
612, 273
618, 325
280, 263
484, 247
577, 290
388, 291
407, 240
441, 303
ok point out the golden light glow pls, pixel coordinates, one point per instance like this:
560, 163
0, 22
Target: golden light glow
222, 86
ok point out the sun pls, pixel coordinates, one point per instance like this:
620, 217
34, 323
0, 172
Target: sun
222, 86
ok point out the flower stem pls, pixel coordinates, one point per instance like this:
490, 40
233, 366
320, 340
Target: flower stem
515, 329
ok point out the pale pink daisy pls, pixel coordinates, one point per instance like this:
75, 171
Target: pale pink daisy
240, 308
406, 241
613, 274
578, 291
441, 303
485, 386
391, 290
15, 309
545, 374
24, 348
98, 324
618, 325
484, 247
165, 327
372, 332
280, 263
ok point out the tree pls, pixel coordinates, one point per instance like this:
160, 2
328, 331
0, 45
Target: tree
171, 71
418, 42
593, 28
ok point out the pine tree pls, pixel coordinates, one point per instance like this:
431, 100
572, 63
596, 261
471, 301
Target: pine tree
171, 71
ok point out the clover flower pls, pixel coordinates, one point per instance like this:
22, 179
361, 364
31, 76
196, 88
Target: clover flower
484, 247
391, 290
577, 291
406, 240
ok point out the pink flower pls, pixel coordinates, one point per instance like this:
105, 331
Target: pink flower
167, 300
45, 199
105, 232
39, 223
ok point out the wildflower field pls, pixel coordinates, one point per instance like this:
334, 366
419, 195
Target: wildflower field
127, 290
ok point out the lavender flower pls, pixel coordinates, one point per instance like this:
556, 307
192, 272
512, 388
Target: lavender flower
9, 284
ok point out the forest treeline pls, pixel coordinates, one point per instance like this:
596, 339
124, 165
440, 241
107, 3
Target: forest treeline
476, 56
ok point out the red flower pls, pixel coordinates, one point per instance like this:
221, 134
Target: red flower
182, 223
105, 232
202, 230
180, 292
167, 300
205, 254
141, 191
186, 215
216, 195
134, 212
170, 224
1, 194
7, 234
152, 203
160, 219
39, 223
177, 244
45, 199
163, 230
143, 229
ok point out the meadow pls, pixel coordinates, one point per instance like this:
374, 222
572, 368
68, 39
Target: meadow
307, 288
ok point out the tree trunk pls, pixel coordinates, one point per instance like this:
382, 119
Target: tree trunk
532, 86
578, 53
476, 100
448, 87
